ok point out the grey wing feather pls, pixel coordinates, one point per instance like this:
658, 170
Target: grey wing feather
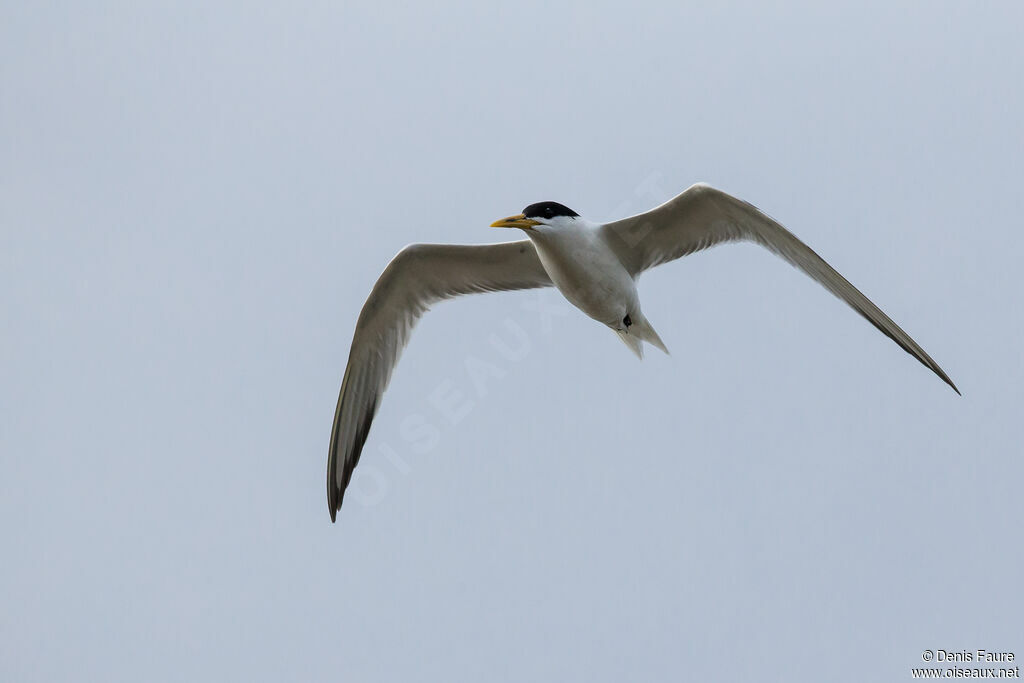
417, 277
702, 217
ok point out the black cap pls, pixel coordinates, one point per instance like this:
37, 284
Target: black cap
548, 210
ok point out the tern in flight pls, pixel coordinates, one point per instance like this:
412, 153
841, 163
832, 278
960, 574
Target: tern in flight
594, 265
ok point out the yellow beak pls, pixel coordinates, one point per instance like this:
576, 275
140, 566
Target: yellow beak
517, 221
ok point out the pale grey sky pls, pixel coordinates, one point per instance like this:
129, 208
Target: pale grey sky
195, 201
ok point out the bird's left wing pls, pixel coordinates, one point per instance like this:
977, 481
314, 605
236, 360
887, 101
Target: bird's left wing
702, 217
419, 276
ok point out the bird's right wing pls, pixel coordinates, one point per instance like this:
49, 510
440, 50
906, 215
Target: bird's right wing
419, 276
702, 217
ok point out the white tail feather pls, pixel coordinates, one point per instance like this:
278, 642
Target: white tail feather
642, 329
632, 341
637, 333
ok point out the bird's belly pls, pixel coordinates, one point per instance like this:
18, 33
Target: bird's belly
600, 288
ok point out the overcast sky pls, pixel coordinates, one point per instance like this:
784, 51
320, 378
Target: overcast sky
196, 198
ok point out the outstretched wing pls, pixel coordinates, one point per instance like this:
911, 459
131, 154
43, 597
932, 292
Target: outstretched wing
419, 276
702, 217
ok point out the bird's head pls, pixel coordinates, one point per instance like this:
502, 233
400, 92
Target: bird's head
537, 216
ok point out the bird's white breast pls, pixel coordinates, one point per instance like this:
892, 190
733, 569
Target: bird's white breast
586, 271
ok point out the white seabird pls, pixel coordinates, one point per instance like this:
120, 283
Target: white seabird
594, 265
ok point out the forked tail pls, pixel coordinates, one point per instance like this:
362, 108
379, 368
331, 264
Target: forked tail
640, 331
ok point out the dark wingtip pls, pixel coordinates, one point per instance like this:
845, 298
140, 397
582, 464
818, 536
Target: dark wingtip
332, 493
335, 494
335, 503
944, 377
